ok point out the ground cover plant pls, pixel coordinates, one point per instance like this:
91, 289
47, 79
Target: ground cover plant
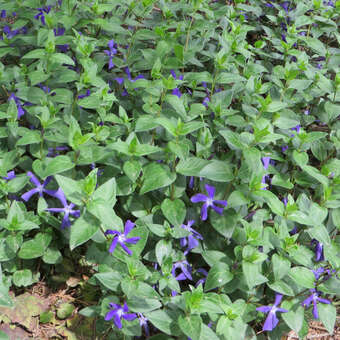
186, 153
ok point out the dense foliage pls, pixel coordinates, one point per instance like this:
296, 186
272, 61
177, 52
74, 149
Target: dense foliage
186, 152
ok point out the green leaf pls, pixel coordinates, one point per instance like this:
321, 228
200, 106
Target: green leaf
316, 45
218, 276
252, 274
224, 224
237, 199
281, 266
36, 247
276, 106
165, 321
174, 211
332, 111
327, 315
274, 203
91, 102
214, 170
156, 176
190, 325
107, 192
177, 104
294, 319
301, 158
30, 137
142, 305
82, 230
311, 171
163, 250
281, 287
35, 54
57, 165
110, 280
22, 278
233, 139
65, 310
62, 58
207, 333
71, 188
320, 233
132, 169
303, 277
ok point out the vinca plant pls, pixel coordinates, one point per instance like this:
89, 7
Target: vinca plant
186, 153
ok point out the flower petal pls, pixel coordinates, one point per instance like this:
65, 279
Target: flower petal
271, 322
198, 198
130, 316
117, 321
278, 298
204, 212
126, 249
33, 179
132, 240
113, 245
27, 195
210, 190
264, 309
128, 227
109, 315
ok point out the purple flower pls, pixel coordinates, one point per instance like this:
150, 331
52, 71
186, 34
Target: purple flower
111, 52
303, 33
329, 3
284, 148
53, 152
296, 128
285, 201
87, 94
176, 91
192, 239
11, 33
59, 31
143, 322
184, 267
202, 280
285, 5
41, 14
3, 14
67, 208
272, 320
209, 202
314, 297
39, 188
293, 231
20, 110
120, 80
117, 312
265, 162
317, 273
319, 255
206, 100
191, 182
306, 112
10, 175
121, 238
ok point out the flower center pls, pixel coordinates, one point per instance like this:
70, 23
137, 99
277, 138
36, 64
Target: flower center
121, 238
210, 201
120, 312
